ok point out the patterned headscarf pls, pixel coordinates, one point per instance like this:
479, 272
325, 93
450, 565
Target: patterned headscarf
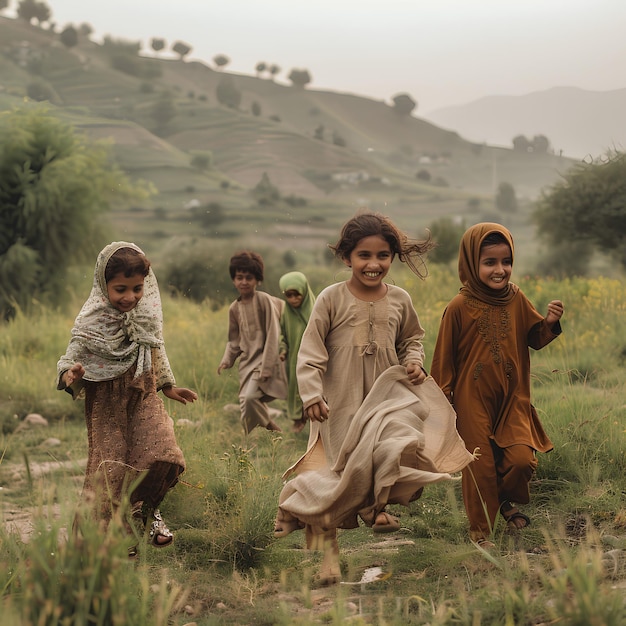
469, 259
108, 342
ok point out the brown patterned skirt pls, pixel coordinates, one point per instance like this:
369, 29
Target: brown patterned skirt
130, 435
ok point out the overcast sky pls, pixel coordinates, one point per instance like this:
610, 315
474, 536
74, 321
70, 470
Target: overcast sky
441, 52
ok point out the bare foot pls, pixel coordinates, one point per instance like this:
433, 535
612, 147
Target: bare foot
271, 425
330, 570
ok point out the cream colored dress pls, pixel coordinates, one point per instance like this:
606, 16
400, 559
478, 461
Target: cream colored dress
375, 448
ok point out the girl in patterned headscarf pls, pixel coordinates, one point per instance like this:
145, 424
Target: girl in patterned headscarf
116, 360
482, 363
299, 299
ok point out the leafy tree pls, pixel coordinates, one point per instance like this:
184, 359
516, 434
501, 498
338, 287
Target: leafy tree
157, 44
265, 191
181, 49
260, 68
540, 144
588, 206
54, 186
164, 109
221, 60
505, 198
30, 10
85, 29
273, 70
69, 36
404, 104
227, 92
299, 78
521, 144
446, 234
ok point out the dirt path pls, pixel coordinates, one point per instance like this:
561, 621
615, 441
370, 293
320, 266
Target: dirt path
17, 519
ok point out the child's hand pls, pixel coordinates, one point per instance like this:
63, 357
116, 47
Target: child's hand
415, 373
180, 394
317, 412
555, 312
76, 372
223, 366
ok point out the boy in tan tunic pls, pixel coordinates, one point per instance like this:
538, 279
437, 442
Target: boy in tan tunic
482, 363
254, 339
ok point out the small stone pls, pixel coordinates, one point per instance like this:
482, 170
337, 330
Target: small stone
51, 442
34, 419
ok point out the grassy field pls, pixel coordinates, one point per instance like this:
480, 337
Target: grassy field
225, 567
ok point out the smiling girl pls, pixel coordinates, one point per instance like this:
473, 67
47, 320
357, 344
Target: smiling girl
116, 360
363, 387
482, 363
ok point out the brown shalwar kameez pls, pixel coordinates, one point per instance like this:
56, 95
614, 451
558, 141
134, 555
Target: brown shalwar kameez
482, 363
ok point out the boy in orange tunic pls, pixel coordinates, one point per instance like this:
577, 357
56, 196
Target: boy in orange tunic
482, 363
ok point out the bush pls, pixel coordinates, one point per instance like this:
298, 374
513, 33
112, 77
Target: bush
227, 93
201, 274
40, 90
201, 160
447, 235
208, 215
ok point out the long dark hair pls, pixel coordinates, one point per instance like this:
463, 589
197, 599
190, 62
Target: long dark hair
368, 224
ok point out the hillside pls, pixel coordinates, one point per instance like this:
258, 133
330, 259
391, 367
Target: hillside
578, 123
326, 153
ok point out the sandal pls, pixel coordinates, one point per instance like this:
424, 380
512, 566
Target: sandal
159, 531
274, 427
515, 519
390, 525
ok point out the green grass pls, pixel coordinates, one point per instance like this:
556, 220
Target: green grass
225, 567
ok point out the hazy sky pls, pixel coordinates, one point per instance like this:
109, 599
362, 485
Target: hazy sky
442, 52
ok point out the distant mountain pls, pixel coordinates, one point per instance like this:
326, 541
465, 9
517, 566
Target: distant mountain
578, 123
